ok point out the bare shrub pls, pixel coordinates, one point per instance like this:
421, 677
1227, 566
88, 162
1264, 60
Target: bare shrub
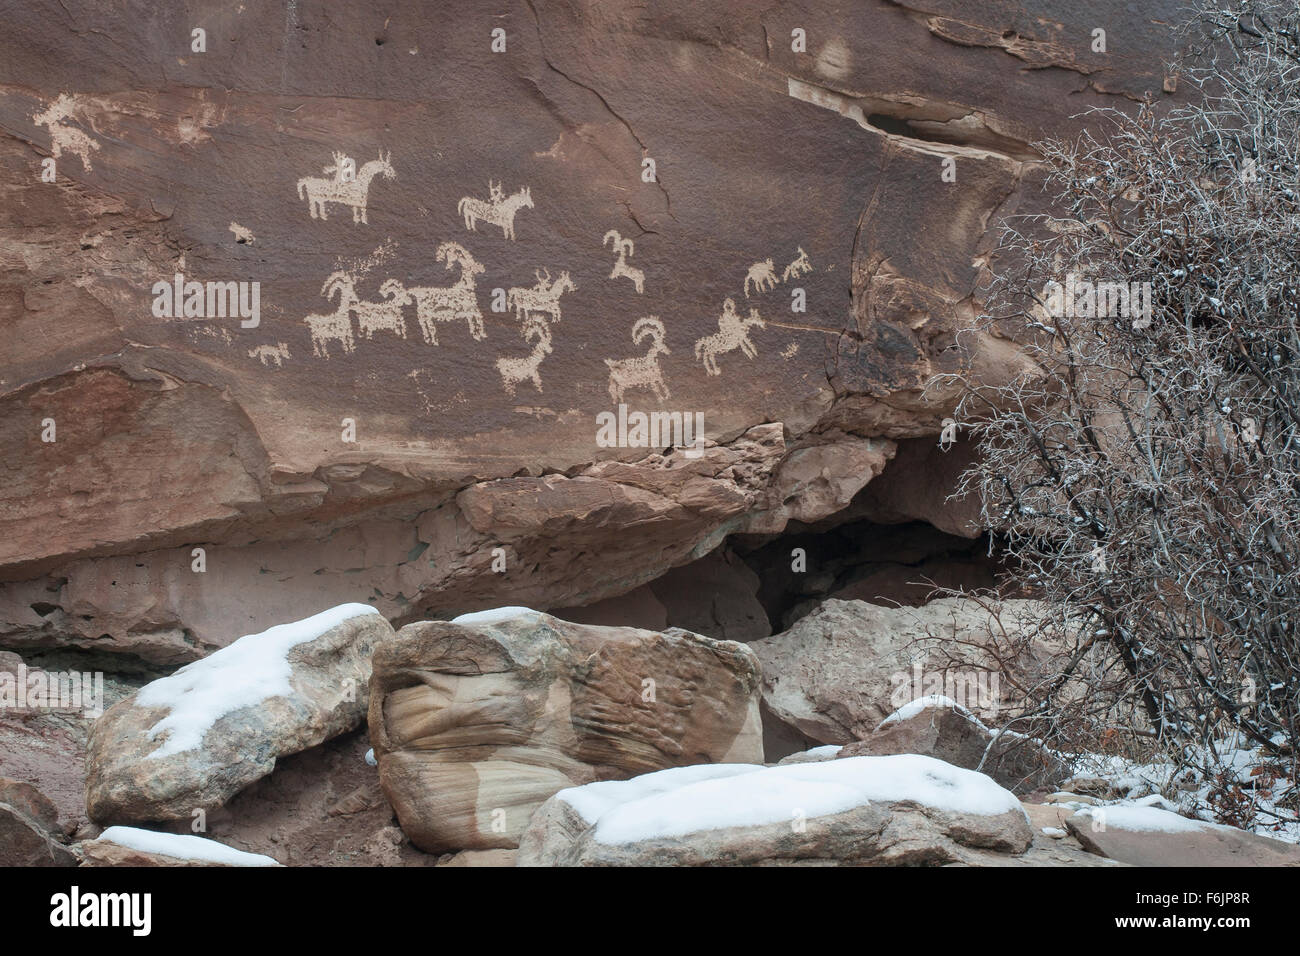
1146, 474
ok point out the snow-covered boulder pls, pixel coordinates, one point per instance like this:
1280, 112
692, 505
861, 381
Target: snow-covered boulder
475, 722
1152, 836
937, 726
194, 739
894, 810
130, 846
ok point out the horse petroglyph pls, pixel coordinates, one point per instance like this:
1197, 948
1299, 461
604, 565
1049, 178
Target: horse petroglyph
762, 275
515, 370
62, 136
800, 266
499, 210
344, 189
642, 371
733, 332
624, 248
543, 297
458, 301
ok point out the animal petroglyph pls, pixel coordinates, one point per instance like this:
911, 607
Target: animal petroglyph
65, 138
242, 235
762, 275
733, 332
343, 190
458, 301
499, 210
624, 248
515, 370
373, 317
543, 297
642, 371
336, 326
800, 266
270, 355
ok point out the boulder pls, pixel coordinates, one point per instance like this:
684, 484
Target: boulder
1151, 836
899, 810
29, 828
194, 739
476, 722
939, 727
842, 669
130, 846
29, 801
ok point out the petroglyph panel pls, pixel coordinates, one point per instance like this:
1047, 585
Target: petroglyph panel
527, 160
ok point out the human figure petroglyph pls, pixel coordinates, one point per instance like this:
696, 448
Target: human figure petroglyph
375, 316
335, 326
319, 192
733, 332
641, 371
270, 355
762, 275
624, 248
499, 210
800, 266
65, 138
543, 297
515, 370
458, 301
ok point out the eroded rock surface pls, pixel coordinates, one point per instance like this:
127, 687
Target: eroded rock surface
476, 722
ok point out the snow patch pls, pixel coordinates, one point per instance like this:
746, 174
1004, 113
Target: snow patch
494, 615
244, 674
825, 750
1145, 820
182, 847
910, 710
672, 803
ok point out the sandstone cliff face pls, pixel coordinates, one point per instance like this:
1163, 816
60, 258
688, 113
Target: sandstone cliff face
475, 476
